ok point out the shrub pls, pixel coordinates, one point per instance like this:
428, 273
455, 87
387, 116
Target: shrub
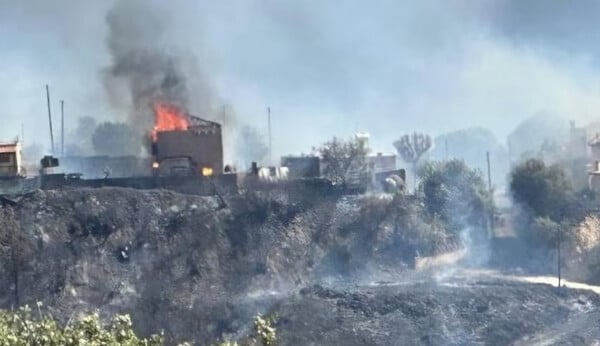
345, 161
543, 231
586, 235
264, 333
542, 190
455, 194
22, 328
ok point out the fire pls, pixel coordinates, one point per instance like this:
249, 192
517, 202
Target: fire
168, 118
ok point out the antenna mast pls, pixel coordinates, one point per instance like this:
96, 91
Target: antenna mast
50, 118
62, 128
270, 138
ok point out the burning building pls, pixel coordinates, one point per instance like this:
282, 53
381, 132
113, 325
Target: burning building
183, 144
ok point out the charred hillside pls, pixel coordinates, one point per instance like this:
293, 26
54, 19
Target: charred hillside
200, 268
188, 264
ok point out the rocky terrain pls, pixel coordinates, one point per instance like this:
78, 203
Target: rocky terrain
199, 268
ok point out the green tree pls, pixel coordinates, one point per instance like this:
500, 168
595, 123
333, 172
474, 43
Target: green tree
543, 191
471, 145
543, 231
456, 194
345, 161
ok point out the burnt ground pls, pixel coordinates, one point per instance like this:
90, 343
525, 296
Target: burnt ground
457, 311
200, 269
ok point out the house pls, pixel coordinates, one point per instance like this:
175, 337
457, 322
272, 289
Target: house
381, 162
10, 159
302, 166
201, 143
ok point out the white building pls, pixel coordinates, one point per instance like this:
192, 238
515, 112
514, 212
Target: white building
10, 159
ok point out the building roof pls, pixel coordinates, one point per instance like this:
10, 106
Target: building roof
199, 122
9, 147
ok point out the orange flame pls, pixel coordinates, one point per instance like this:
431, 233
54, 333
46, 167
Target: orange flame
168, 118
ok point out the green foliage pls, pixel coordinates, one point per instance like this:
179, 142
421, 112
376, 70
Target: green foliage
455, 194
471, 145
543, 231
542, 190
21, 328
345, 161
394, 230
264, 330
264, 333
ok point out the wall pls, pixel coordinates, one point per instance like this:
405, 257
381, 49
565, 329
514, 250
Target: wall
381, 163
18, 185
198, 185
8, 164
302, 167
204, 149
93, 167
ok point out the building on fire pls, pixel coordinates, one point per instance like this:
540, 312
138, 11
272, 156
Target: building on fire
195, 150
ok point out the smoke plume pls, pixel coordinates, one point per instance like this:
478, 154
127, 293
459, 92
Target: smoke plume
147, 66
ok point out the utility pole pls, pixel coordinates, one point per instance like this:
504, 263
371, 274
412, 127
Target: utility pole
50, 119
270, 138
62, 128
558, 248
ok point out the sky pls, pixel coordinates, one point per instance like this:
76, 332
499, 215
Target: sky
326, 68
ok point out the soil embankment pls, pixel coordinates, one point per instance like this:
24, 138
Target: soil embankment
200, 267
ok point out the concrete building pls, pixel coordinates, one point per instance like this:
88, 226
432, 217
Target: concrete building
302, 166
10, 159
201, 144
594, 167
381, 162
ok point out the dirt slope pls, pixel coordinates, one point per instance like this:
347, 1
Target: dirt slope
200, 267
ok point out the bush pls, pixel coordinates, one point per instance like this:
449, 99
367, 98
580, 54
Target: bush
22, 328
544, 191
543, 231
345, 161
455, 194
264, 333
397, 228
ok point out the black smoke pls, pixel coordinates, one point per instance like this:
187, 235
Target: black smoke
147, 66
141, 62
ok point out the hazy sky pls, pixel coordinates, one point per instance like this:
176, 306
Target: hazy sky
325, 67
